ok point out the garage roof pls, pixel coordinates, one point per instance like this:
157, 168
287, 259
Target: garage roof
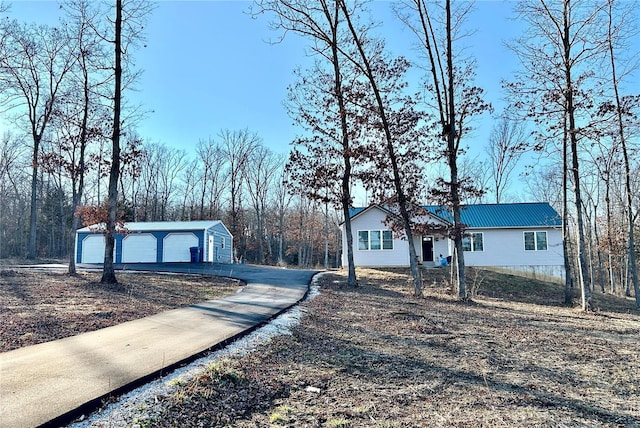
161, 225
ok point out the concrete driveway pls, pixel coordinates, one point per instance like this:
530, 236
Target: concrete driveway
50, 383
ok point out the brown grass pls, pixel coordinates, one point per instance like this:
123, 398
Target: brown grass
38, 306
377, 356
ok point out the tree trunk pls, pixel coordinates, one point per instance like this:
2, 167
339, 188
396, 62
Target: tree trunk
575, 163
31, 249
453, 163
633, 273
108, 273
397, 181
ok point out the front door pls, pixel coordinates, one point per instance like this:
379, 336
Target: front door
427, 248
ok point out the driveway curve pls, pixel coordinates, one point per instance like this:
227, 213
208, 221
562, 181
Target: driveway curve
50, 383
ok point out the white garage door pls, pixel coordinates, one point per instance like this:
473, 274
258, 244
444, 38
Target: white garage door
139, 248
93, 249
176, 247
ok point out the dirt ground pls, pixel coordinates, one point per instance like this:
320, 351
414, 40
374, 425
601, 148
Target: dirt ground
376, 356
38, 306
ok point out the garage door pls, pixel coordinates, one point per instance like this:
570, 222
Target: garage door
93, 249
139, 248
176, 247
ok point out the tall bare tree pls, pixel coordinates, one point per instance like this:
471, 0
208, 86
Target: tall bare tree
320, 22
127, 32
507, 144
237, 148
34, 62
616, 33
437, 25
557, 52
260, 180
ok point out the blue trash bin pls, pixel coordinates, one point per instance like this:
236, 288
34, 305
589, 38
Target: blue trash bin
195, 254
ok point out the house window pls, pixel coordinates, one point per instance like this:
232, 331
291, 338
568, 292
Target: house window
387, 240
473, 242
363, 240
535, 241
223, 243
375, 240
374, 237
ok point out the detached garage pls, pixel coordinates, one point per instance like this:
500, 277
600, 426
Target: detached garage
159, 242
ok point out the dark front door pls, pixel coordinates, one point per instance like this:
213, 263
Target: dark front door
427, 248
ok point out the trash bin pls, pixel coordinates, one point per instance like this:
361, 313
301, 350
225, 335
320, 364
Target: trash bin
195, 254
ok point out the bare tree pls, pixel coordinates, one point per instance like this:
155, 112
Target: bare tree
320, 22
260, 180
621, 108
135, 13
562, 39
456, 100
13, 157
212, 179
507, 144
237, 148
34, 63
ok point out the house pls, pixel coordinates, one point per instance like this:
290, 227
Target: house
521, 238
158, 242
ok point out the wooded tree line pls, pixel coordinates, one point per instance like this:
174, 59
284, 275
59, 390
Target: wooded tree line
365, 119
233, 177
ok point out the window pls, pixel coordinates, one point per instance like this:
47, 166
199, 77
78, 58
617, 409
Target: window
535, 241
363, 240
224, 242
387, 240
374, 237
473, 242
375, 240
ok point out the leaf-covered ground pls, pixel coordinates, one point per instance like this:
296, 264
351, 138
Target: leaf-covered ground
378, 357
39, 306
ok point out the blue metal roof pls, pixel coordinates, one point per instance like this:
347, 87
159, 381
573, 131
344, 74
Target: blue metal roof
498, 215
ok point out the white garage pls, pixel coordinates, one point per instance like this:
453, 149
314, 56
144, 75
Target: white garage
176, 247
139, 248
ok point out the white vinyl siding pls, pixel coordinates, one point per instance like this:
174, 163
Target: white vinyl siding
535, 241
473, 242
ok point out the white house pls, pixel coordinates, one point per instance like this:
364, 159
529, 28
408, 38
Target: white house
524, 238
159, 242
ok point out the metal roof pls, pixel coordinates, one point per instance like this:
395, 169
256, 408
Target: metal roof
510, 215
148, 226
530, 214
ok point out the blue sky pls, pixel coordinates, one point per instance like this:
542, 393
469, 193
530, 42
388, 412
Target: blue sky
208, 66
